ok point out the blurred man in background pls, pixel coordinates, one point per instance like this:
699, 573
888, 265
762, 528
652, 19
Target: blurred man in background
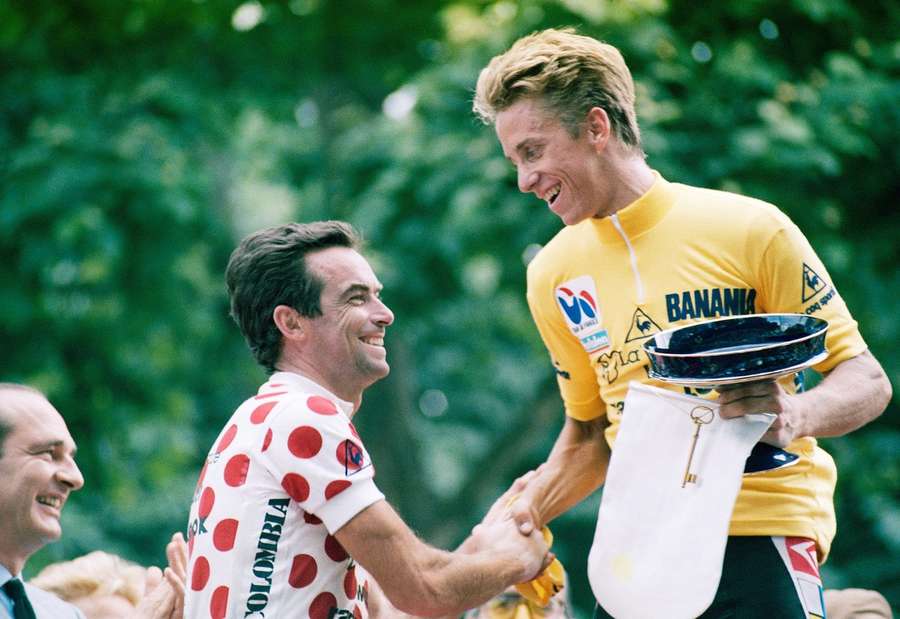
639, 255
287, 519
38, 472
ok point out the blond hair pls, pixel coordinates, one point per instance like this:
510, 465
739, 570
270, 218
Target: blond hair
569, 73
94, 574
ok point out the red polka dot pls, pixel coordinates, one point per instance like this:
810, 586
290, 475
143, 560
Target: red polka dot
322, 606
303, 571
311, 518
261, 412
357, 613
350, 455
218, 604
323, 406
334, 550
304, 442
276, 385
336, 487
200, 574
229, 435
206, 502
296, 486
350, 583
224, 534
354, 432
236, 470
267, 440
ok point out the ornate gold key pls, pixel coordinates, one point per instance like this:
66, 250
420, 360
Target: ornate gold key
701, 415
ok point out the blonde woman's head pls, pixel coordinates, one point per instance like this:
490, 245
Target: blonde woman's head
100, 584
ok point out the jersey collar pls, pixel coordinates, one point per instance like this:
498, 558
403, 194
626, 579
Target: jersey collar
639, 216
301, 383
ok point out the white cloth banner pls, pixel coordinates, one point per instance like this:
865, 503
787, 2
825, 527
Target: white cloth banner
658, 547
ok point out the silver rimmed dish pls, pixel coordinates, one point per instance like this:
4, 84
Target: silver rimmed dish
737, 349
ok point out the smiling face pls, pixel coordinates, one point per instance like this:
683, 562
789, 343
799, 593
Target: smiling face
570, 174
345, 344
38, 472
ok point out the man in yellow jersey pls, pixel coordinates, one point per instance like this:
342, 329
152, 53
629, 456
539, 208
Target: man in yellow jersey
640, 254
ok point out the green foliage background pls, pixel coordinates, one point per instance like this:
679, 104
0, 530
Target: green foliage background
140, 139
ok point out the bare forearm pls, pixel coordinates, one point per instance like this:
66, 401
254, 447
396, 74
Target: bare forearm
424, 581
381, 608
850, 396
575, 468
449, 586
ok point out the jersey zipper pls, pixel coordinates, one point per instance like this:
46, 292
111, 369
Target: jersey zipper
638, 284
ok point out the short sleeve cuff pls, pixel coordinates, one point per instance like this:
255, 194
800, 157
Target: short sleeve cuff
337, 511
586, 411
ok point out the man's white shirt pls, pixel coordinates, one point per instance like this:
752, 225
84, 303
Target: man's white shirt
286, 472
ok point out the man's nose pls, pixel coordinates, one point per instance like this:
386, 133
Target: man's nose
527, 179
383, 314
70, 475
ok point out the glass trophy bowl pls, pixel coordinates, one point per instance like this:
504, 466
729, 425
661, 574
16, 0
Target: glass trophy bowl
737, 349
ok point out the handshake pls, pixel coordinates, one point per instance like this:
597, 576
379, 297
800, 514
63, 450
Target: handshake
500, 531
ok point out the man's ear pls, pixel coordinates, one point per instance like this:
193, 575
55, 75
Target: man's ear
289, 322
598, 127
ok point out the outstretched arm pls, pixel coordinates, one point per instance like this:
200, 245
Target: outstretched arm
381, 608
421, 580
575, 468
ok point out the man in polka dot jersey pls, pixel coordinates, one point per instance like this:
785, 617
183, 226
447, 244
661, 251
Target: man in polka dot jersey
287, 520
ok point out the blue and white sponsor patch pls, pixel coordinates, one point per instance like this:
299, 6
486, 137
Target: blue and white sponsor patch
577, 299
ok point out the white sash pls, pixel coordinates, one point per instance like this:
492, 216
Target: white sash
658, 547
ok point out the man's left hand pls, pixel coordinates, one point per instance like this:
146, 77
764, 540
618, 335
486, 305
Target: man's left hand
763, 397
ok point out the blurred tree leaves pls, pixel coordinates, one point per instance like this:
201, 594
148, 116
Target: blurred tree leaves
140, 140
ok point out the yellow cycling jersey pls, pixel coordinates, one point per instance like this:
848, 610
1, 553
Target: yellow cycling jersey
676, 256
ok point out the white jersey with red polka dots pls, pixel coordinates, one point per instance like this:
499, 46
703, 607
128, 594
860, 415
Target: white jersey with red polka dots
286, 472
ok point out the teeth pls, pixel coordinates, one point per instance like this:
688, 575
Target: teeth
374, 341
51, 501
551, 195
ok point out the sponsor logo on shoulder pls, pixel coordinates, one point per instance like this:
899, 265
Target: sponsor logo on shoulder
577, 299
812, 284
352, 457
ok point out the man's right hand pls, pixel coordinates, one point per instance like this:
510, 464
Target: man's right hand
575, 468
511, 504
503, 539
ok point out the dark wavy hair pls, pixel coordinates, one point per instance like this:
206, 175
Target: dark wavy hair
268, 269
